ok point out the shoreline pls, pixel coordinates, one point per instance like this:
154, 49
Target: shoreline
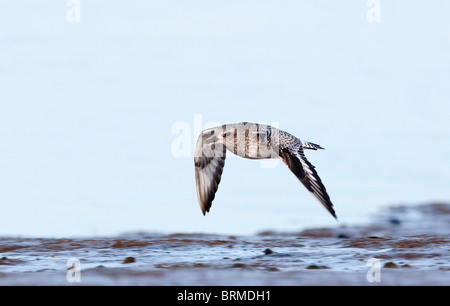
405, 246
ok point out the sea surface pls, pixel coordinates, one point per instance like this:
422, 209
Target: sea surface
404, 245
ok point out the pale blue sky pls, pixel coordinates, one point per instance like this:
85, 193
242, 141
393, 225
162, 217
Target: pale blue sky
87, 108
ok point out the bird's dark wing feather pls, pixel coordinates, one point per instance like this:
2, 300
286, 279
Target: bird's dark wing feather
306, 173
208, 172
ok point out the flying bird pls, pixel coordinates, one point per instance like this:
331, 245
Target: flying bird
253, 141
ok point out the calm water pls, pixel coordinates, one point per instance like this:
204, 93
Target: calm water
408, 244
87, 110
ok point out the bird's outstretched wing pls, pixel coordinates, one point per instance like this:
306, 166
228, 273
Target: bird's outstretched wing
306, 173
209, 162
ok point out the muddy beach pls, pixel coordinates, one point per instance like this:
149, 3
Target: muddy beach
403, 245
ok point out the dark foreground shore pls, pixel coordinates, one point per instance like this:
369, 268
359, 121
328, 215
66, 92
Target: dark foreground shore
405, 245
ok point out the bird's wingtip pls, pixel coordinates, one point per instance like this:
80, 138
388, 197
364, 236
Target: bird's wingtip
333, 213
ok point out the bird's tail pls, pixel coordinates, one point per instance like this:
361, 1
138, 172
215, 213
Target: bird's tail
311, 146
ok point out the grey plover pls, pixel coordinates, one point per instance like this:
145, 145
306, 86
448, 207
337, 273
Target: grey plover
253, 141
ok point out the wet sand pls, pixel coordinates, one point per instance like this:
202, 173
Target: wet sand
410, 245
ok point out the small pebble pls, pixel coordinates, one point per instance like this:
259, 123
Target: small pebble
316, 267
238, 265
406, 266
390, 265
267, 252
394, 221
342, 236
129, 260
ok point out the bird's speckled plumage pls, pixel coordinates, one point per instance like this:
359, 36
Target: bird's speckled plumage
254, 141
